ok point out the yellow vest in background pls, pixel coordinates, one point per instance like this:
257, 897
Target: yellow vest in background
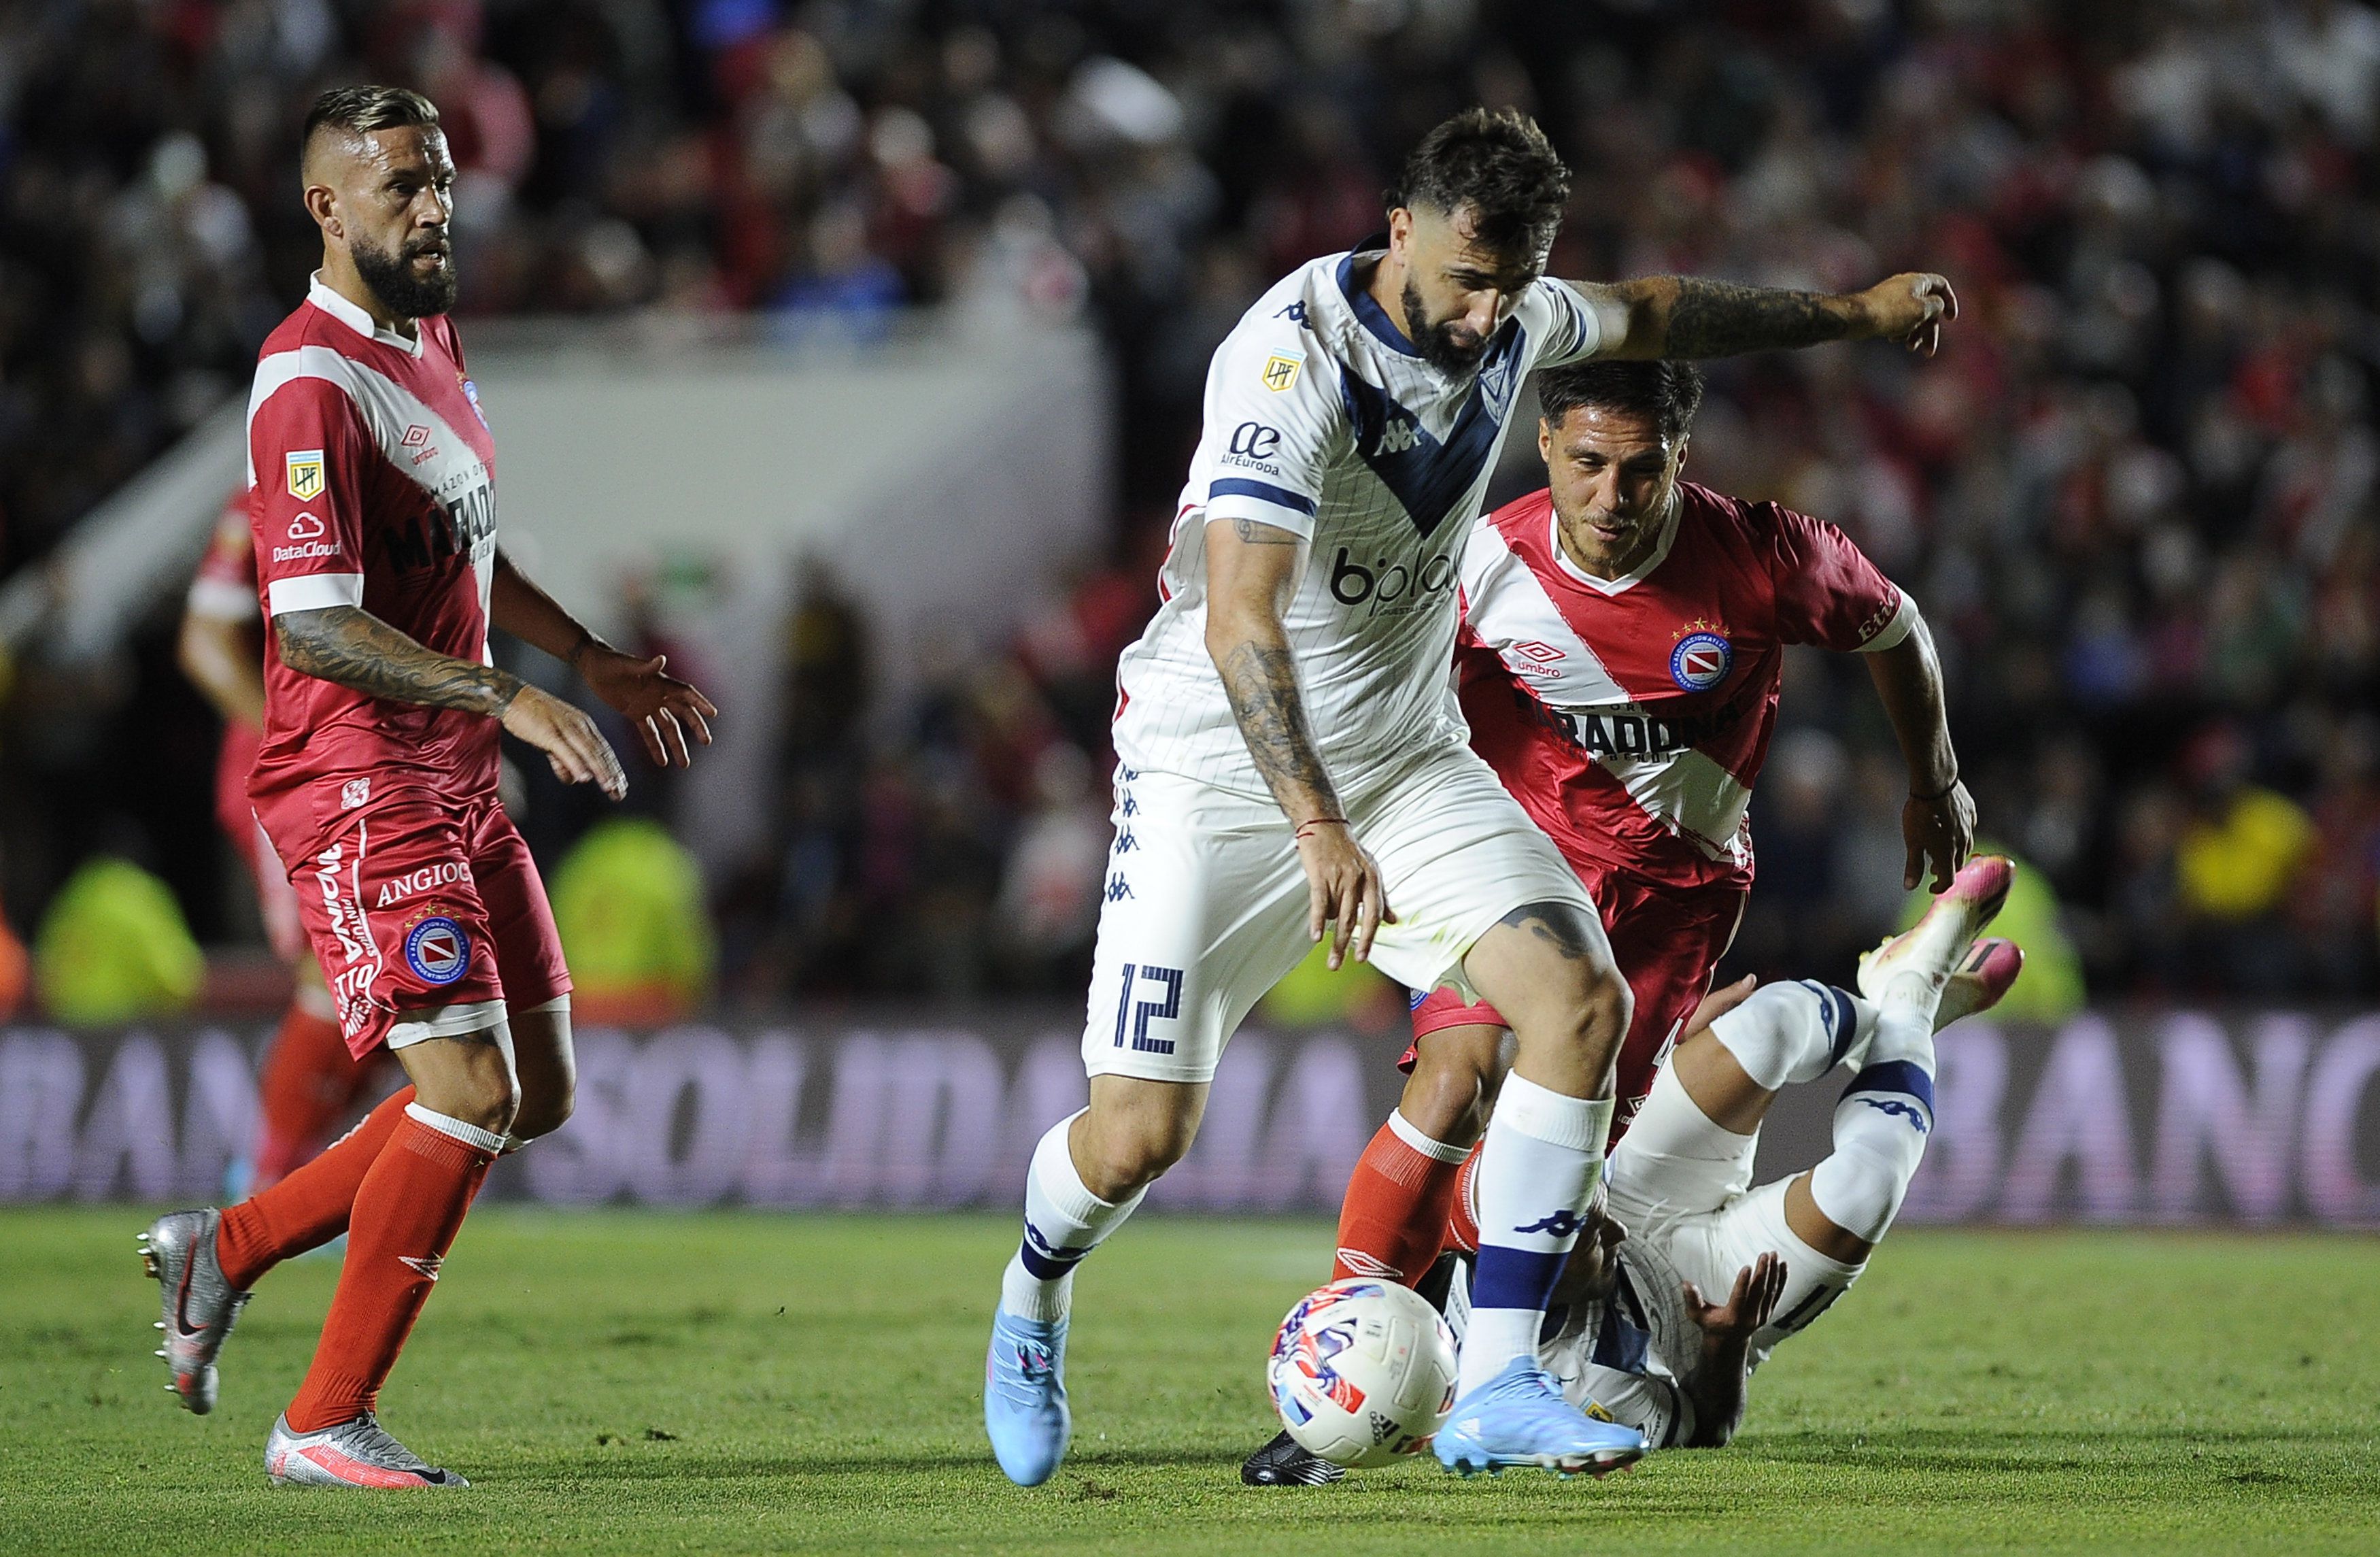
113, 947
628, 901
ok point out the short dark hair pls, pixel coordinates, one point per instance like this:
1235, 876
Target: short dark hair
361, 110
1496, 162
1667, 392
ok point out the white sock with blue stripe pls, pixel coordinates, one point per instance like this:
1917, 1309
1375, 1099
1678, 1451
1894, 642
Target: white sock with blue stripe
1538, 1173
1064, 1221
1794, 1032
1880, 1126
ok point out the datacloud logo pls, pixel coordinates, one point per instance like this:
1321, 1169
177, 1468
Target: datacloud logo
1388, 584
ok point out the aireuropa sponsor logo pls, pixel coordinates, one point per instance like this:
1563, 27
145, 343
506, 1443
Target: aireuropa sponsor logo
1390, 583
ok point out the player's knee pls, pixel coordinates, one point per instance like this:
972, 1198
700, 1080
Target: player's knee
490, 1100
1118, 1157
1445, 1098
546, 1110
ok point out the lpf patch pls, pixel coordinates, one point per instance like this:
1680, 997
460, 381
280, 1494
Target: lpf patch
437, 949
1281, 372
304, 467
1701, 661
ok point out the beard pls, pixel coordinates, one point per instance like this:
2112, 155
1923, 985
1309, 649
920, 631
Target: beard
1437, 342
392, 281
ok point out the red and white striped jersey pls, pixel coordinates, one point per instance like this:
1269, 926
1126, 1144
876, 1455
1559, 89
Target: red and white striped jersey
1630, 716
371, 483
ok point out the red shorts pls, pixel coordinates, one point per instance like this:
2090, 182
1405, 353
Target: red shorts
1667, 940
428, 914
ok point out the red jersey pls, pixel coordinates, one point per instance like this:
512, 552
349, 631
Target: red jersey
371, 483
224, 591
1630, 716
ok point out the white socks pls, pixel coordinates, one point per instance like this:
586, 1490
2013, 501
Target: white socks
1880, 1126
1793, 1032
1064, 1221
1536, 1175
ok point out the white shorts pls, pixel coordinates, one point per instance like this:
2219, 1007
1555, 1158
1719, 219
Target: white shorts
1206, 902
1700, 1212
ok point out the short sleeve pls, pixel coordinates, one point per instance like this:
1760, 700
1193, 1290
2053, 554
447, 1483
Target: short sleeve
308, 449
1570, 329
1827, 593
1273, 419
225, 588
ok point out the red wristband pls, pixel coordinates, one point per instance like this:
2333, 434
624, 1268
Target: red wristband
1319, 821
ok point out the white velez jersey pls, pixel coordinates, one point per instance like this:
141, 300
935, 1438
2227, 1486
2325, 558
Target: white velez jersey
1323, 420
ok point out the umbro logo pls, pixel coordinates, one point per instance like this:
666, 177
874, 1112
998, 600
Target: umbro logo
425, 1266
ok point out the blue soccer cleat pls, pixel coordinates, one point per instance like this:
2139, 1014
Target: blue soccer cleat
1519, 1418
1025, 1397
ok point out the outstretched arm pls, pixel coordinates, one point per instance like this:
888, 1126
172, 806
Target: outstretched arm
1252, 571
661, 707
1937, 821
1716, 1385
1690, 316
350, 646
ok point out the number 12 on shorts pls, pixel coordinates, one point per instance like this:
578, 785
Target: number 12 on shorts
1138, 1016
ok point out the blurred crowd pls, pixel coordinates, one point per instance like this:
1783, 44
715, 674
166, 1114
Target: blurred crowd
2135, 494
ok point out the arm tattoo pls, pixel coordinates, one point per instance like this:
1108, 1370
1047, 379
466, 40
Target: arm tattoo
1256, 534
348, 645
1262, 685
1720, 319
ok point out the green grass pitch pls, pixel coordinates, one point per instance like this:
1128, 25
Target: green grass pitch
626, 1381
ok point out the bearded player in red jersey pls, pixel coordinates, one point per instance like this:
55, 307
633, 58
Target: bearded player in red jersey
309, 1080
373, 500
1620, 664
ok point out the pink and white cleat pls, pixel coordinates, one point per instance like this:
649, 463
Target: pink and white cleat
1913, 967
357, 1453
1984, 975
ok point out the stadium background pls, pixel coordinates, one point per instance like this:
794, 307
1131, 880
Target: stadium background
2136, 496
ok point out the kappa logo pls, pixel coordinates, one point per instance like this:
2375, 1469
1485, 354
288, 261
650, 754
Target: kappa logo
1281, 372
1398, 436
305, 527
1294, 312
1562, 1224
426, 1266
303, 469
1896, 1109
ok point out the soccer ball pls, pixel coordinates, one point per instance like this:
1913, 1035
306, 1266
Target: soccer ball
1363, 1372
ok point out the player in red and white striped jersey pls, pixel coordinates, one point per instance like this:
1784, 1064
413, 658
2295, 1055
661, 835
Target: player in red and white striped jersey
373, 506
1620, 664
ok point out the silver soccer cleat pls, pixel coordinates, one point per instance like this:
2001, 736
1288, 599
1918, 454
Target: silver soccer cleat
357, 1453
199, 1306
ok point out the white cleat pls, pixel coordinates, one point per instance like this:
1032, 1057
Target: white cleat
357, 1453
1914, 967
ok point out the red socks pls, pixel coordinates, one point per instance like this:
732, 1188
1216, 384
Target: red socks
1392, 1223
310, 1079
308, 1209
407, 1213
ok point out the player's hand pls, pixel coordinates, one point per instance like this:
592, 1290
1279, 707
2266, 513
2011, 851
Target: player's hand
569, 739
661, 707
1718, 1003
1343, 888
1750, 1303
1912, 308
1940, 832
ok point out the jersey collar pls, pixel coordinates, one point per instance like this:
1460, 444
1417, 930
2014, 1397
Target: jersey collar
1368, 307
356, 319
1635, 575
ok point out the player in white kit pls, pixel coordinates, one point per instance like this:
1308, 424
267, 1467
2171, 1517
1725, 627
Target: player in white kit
1292, 758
